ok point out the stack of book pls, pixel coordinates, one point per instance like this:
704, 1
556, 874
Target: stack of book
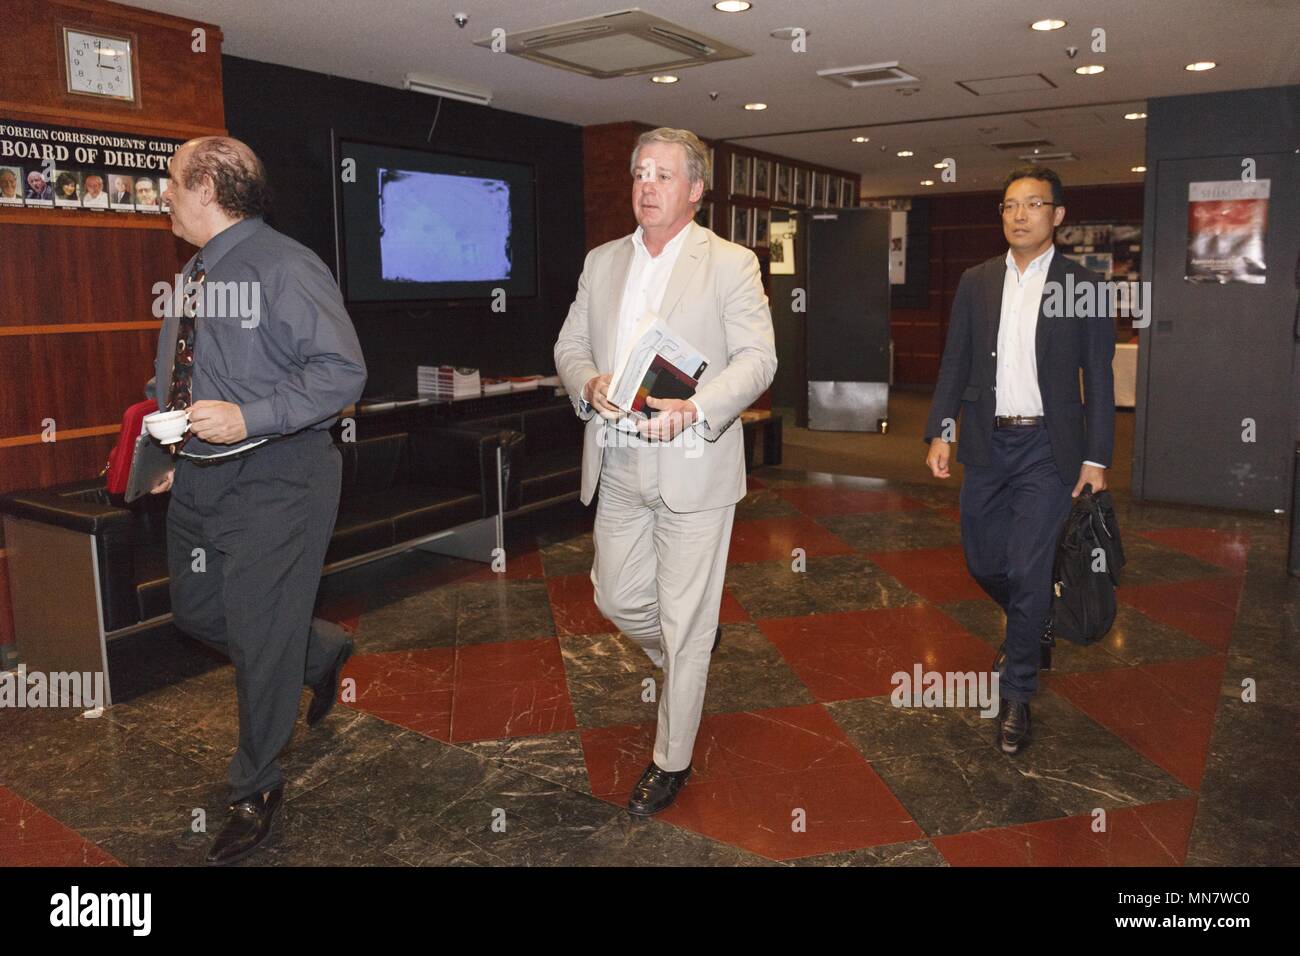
446, 381
495, 386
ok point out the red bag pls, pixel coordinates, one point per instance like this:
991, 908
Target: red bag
118, 468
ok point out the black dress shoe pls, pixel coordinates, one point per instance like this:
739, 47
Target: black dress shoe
1013, 726
656, 790
248, 825
717, 639
325, 691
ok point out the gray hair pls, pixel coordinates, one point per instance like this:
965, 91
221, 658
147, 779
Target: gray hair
697, 154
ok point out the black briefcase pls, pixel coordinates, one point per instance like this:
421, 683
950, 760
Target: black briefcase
1085, 572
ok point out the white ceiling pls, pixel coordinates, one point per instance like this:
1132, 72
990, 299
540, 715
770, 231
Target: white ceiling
1148, 42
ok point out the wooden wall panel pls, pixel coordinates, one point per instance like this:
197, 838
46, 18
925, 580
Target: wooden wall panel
77, 333
179, 89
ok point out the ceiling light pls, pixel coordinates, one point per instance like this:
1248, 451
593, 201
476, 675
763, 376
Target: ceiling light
927, 182
940, 165
861, 139
732, 6
1200, 66
904, 153
451, 89
755, 106
1137, 169
1089, 70
1046, 25
663, 78
1135, 115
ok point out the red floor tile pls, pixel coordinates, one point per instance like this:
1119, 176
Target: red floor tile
773, 539
31, 837
508, 662
856, 653
525, 709
785, 816
1152, 835
1205, 609
731, 611
1227, 549
1164, 711
752, 771
936, 574
573, 605
413, 689
823, 500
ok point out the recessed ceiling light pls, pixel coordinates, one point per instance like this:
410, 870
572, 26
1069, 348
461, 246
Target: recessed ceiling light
904, 153
927, 182
732, 6
755, 106
1200, 66
1045, 25
1137, 169
861, 139
940, 165
1089, 70
1135, 115
663, 78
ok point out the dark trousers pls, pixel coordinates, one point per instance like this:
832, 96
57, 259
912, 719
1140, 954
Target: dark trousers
262, 524
1012, 511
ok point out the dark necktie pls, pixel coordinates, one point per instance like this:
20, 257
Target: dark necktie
178, 395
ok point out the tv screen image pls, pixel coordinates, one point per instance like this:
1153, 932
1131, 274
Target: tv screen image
424, 226
440, 228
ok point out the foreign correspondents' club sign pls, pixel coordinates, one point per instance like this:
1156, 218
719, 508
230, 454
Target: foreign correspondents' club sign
60, 167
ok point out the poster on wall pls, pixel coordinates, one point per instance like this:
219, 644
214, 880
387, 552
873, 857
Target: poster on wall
1225, 231
898, 247
61, 167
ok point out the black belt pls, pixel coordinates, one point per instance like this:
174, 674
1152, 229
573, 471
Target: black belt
222, 459
1017, 421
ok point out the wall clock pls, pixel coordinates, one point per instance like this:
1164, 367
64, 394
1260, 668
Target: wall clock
99, 64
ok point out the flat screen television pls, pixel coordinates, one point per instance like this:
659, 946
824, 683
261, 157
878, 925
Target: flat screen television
421, 226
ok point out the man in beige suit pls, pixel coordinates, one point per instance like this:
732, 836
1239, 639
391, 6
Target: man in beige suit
667, 494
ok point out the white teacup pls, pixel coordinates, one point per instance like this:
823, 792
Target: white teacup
168, 427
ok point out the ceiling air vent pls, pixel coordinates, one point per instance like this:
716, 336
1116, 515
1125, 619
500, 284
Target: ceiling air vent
875, 74
626, 43
1015, 144
994, 85
1061, 156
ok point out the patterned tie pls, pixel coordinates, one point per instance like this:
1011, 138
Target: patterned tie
178, 395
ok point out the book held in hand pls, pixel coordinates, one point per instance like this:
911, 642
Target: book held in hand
659, 363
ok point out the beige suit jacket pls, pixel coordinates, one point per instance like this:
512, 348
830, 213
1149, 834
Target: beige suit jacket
715, 300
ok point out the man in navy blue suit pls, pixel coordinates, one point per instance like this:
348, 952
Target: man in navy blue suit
1019, 334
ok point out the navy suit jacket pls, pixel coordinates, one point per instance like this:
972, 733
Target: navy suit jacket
1063, 345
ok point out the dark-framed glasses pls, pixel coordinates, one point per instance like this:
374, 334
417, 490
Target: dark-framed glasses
1013, 206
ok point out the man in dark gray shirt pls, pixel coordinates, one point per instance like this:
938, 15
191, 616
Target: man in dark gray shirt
258, 347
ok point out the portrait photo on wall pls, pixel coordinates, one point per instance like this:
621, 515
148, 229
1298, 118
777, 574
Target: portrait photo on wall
121, 195
39, 191
11, 190
146, 195
783, 183
740, 220
801, 186
162, 194
67, 188
763, 178
94, 194
740, 174
762, 224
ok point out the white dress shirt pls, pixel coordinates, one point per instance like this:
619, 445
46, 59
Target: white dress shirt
647, 282
1017, 371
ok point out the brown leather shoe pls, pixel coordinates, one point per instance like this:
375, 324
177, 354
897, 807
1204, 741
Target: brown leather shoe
249, 822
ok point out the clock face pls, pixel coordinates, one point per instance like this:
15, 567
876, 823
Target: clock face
99, 65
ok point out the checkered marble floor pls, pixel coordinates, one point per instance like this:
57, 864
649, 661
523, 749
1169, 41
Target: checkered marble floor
500, 719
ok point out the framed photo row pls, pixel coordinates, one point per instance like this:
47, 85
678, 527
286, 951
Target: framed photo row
38, 187
786, 184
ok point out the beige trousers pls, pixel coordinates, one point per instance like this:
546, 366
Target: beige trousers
658, 576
